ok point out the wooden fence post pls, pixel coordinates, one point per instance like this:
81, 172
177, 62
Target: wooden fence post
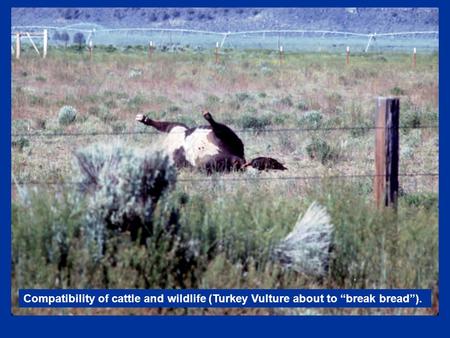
347, 58
387, 151
45, 43
217, 53
281, 55
414, 60
150, 50
91, 49
17, 46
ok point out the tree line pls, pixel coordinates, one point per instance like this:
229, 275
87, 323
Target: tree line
64, 37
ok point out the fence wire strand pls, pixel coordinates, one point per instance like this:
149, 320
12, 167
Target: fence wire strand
219, 33
215, 179
236, 39
257, 131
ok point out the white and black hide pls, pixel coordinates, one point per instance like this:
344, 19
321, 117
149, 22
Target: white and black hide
212, 148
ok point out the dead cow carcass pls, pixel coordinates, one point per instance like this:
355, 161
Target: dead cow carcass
211, 148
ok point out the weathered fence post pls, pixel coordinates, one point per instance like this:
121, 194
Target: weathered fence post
17, 46
91, 49
151, 48
217, 53
387, 151
347, 58
414, 58
45, 43
281, 55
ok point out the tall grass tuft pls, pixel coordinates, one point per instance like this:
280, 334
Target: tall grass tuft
379, 248
306, 248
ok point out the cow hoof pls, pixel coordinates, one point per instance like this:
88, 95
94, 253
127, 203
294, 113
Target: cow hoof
207, 115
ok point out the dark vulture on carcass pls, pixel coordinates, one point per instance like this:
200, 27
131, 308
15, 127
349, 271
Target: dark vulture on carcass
212, 148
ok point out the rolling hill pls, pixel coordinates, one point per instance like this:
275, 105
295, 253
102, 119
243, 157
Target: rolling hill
363, 20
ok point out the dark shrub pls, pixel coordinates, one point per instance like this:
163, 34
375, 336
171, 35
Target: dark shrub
124, 186
320, 150
255, 122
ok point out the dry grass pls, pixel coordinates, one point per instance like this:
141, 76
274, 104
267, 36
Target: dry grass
110, 90
178, 86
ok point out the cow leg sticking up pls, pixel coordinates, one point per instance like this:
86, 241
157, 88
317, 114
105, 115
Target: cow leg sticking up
162, 126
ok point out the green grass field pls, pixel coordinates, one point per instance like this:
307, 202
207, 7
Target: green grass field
236, 219
292, 42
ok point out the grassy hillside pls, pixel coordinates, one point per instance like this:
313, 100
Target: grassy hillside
364, 20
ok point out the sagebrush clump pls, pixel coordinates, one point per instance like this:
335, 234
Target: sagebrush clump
123, 187
21, 143
255, 122
319, 149
67, 115
310, 120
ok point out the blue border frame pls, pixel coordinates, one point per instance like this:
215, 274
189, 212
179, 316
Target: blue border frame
218, 326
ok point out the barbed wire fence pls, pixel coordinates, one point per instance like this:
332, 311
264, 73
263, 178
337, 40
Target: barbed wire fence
287, 40
217, 179
246, 130
242, 179
279, 40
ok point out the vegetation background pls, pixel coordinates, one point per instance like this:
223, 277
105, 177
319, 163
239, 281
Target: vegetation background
71, 226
